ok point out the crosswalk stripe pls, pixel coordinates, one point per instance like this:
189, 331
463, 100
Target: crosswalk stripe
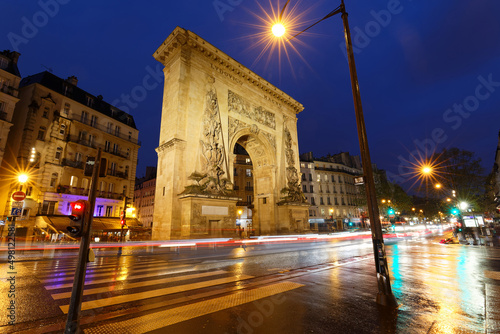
100, 270
70, 277
154, 293
181, 269
157, 320
86, 292
95, 266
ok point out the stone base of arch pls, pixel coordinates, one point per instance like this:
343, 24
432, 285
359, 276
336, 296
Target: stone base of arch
204, 216
294, 218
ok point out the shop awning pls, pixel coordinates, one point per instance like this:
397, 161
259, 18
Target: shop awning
105, 224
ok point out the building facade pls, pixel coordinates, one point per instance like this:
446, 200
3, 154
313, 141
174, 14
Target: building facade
144, 197
329, 186
9, 91
58, 127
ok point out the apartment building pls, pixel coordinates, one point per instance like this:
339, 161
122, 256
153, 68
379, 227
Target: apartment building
329, 186
144, 197
9, 91
57, 128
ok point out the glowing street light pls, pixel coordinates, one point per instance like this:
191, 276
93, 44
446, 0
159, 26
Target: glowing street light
426, 170
278, 29
438, 186
22, 178
463, 205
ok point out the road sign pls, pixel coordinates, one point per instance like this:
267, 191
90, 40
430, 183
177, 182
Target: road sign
16, 211
17, 205
18, 196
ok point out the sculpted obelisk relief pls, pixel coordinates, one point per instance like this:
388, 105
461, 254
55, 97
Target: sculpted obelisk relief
211, 103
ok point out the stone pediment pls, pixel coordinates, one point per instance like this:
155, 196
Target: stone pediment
180, 37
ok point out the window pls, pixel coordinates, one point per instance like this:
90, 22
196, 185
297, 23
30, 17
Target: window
248, 172
62, 129
310, 177
336, 202
115, 148
235, 172
313, 202
117, 131
321, 201
85, 117
2, 106
58, 153
90, 101
66, 109
53, 180
302, 165
303, 177
85, 183
248, 161
102, 186
107, 145
109, 128
333, 178
93, 120
264, 200
249, 199
304, 188
74, 181
318, 178
41, 133
311, 188
112, 167
91, 140
29, 190
45, 112
329, 202
111, 187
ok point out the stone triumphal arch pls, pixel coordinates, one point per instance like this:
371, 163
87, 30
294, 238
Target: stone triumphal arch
211, 103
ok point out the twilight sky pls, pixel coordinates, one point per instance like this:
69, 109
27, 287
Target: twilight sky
429, 71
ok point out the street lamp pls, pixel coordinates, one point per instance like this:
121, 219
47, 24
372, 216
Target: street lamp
384, 296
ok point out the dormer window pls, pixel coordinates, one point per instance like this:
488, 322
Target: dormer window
90, 101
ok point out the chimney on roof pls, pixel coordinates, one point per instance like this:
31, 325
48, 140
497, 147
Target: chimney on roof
15, 56
72, 80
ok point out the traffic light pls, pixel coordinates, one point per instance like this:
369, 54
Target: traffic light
459, 227
122, 222
77, 218
455, 211
390, 211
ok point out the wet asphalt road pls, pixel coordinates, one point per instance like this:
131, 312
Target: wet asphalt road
320, 287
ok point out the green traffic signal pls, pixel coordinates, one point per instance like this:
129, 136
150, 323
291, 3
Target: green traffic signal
455, 211
390, 211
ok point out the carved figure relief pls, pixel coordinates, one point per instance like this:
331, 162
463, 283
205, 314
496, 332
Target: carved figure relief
211, 180
240, 106
293, 192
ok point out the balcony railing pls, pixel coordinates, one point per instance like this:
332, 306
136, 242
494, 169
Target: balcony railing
249, 188
72, 163
116, 173
84, 142
106, 129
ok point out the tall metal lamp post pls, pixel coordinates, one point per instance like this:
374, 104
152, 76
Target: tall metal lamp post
385, 296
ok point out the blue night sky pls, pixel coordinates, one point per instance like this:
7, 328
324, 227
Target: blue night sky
429, 71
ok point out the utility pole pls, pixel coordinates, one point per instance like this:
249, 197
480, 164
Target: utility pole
73, 320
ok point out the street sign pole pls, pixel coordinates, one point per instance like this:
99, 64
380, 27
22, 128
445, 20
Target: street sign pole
73, 320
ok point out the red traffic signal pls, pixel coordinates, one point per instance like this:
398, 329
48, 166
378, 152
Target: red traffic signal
78, 206
122, 222
77, 218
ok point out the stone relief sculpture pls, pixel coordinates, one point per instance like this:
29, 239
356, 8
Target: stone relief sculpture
240, 106
211, 180
292, 192
236, 125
